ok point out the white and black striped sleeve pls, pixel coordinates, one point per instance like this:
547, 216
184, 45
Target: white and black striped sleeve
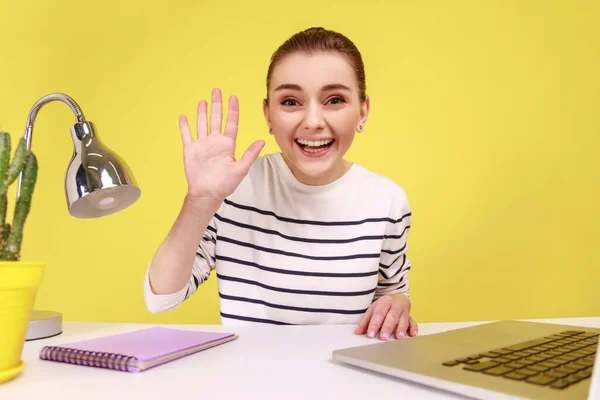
393, 262
204, 263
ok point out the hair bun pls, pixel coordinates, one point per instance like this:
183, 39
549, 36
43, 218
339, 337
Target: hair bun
314, 29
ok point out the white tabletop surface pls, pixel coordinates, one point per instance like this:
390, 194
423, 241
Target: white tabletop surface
286, 362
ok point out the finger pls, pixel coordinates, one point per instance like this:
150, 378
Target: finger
389, 324
250, 155
413, 328
201, 120
186, 136
402, 325
379, 314
216, 112
362, 324
233, 116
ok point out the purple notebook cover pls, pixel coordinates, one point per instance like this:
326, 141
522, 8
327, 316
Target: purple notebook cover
144, 345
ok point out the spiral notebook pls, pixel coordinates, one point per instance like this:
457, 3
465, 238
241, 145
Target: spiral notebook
135, 351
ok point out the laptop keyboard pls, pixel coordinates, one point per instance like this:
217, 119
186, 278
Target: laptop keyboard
556, 361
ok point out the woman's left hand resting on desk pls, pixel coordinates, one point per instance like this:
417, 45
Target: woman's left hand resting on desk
391, 315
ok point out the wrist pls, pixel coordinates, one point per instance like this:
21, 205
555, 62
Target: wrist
403, 298
199, 206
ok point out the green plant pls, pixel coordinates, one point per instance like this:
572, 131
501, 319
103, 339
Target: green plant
11, 237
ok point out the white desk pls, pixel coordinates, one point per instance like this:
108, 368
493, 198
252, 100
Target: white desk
264, 362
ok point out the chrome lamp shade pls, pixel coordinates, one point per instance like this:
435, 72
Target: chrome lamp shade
98, 182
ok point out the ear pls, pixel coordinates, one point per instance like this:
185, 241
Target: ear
365, 107
266, 112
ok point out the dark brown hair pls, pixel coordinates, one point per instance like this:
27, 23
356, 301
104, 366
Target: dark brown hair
315, 40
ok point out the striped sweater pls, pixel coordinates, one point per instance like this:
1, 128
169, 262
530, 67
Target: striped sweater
288, 253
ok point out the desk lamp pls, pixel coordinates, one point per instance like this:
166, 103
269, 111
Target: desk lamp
97, 183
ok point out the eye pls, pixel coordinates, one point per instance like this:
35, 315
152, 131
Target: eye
289, 102
337, 100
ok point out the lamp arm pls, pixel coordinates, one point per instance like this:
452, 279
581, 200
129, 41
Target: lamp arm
45, 100
33, 114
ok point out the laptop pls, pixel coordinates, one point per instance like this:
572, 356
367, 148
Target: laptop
497, 360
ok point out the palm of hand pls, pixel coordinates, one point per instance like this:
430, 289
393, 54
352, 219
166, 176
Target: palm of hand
211, 169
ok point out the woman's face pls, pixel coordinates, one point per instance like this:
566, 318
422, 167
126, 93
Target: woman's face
314, 110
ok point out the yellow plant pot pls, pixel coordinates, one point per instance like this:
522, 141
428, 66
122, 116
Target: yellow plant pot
19, 282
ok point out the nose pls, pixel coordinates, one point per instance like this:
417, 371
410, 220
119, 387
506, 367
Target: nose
314, 118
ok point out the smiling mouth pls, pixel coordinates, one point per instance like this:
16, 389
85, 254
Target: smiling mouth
314, 146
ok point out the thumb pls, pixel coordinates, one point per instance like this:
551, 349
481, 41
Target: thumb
250, 155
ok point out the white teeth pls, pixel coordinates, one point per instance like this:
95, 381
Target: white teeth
314, 143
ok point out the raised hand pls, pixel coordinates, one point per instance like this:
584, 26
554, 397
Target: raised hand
211, 170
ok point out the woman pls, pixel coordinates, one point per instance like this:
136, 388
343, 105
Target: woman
301, 236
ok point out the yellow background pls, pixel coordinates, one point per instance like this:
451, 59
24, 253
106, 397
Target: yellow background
487, 113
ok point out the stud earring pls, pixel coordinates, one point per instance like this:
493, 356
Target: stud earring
270, 130
360, 128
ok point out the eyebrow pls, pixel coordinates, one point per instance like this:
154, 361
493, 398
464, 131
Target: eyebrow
331, 86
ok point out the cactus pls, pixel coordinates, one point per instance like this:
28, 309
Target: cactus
11, 237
